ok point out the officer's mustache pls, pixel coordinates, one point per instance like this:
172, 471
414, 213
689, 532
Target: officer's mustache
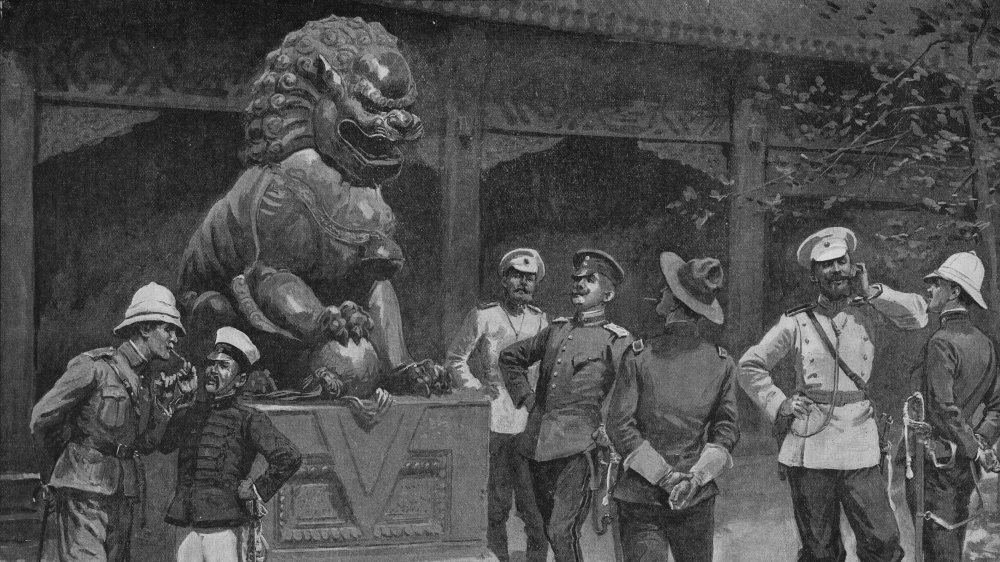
578, 292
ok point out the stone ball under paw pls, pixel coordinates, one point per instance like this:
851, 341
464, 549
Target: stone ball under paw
355, 364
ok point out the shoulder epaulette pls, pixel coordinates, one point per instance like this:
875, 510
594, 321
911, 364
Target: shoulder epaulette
560, 320
485, 305
638, 346
617, 330
100, 353
722, 352
534, 309
801, 308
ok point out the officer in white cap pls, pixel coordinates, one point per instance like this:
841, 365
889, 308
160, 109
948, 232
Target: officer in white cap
217, 440
958, 376
487, 330
98, 478
830, 448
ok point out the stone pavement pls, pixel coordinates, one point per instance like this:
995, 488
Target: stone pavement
753, 519
753, 522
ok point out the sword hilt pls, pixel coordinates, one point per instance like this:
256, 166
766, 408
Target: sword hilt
910, 422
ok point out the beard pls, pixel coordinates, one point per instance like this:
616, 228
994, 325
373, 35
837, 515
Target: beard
836, 288
520, 296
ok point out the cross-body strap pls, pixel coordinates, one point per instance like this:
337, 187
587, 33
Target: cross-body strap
855, 378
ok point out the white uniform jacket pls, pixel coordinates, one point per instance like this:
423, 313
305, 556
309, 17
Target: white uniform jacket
850, 440
488, 329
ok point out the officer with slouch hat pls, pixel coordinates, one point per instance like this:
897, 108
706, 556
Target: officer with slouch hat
672, 413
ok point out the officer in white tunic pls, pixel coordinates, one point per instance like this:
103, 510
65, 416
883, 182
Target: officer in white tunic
831, 452
472, 363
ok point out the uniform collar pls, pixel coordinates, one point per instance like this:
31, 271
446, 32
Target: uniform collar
682, 329
595, 318
958, 313
131, 353
223, 403
832, 308
513, 308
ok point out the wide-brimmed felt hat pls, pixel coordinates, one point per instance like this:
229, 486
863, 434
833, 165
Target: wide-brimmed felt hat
589, 261
525, 260
151, 303
827, 244
695, 283
967, 271
229, 340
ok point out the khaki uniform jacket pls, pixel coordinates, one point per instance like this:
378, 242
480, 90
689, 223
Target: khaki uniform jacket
959, 374
678, 392
97, 404
850, 441
474, 354
579, 360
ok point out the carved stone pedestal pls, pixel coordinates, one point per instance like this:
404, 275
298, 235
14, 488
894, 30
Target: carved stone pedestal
411, 488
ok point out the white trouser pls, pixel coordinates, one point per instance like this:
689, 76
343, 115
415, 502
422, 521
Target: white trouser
214, 545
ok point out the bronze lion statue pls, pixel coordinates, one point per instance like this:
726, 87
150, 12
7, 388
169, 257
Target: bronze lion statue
300, 251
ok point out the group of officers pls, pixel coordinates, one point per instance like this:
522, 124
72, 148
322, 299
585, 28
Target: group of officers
565, 389
561, 391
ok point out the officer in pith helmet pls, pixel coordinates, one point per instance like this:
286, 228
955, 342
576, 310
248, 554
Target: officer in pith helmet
672, 414
98, 402
218, 438
579, 358
830, 444
472, 363
957, 375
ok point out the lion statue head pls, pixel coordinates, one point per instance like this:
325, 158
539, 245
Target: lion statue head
342, 87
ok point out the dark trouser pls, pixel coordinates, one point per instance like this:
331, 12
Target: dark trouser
649, 531
94, 527
818, 495
562, 493
510, 477
946, 494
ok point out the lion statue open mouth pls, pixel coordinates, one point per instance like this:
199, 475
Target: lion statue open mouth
306, 226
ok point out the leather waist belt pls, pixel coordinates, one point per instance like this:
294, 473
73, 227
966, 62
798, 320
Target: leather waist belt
116, 450
844, 397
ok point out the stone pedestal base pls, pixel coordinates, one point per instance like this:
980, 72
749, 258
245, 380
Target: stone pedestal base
413, 487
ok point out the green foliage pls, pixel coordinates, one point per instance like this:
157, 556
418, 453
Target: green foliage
906, 119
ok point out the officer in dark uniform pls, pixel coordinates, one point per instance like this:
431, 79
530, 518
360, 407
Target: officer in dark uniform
673, 415
91, 423
579, 358
219, 438
959, 375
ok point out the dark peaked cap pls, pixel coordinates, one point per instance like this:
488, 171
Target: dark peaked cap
595, 261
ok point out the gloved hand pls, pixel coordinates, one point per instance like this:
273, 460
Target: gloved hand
987, 456
177, 388
246, 490
600, 436
795, 405
668, 482
491, 390
684, 492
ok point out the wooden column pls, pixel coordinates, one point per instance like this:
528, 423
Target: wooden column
748, 239
460, 177
17, 291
